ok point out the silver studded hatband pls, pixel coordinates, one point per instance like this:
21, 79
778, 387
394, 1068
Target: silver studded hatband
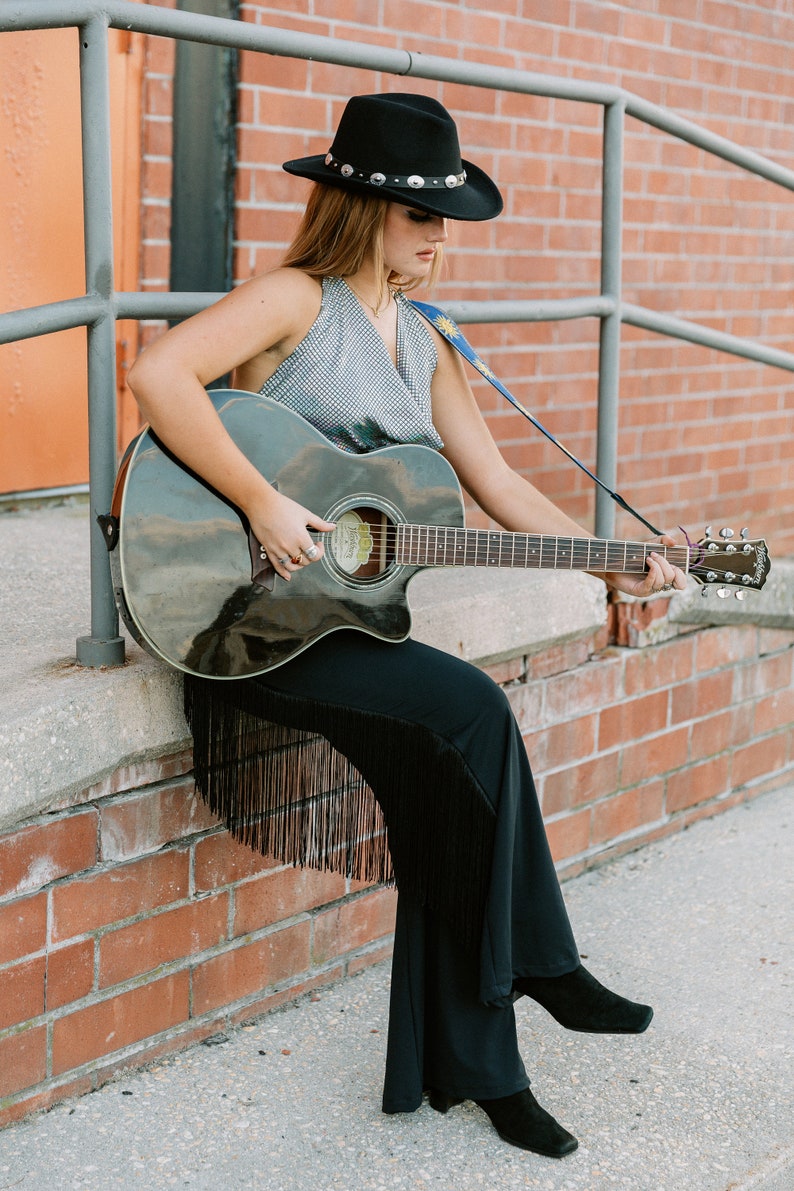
407, 182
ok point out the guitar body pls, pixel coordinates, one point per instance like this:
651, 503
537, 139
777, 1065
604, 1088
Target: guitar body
184, 563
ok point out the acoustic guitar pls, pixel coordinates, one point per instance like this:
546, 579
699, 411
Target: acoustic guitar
194, 587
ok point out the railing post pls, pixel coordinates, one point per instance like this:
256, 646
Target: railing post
104, 647
609, 346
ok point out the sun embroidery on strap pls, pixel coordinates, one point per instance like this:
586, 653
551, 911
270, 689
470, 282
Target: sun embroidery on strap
482, 367
446, 326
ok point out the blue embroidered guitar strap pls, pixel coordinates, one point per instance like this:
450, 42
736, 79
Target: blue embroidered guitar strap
447, 327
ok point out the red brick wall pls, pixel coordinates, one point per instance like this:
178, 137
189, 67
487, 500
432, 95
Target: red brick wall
132, 925
703, 437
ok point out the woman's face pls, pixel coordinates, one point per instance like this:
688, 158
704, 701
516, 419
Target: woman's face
411, 239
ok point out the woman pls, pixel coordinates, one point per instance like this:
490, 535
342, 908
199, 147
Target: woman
480, 917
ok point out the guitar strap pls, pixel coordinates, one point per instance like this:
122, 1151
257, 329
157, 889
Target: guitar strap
447, 327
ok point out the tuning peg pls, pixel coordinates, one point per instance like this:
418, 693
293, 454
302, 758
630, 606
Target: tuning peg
744, 533
704, 591
723, 593
741, 594
708, 531
725, 534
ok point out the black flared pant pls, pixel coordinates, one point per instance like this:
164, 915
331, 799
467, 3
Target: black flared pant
451, 1023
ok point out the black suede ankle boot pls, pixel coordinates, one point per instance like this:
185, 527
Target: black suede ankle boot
519, 1120
579, 1002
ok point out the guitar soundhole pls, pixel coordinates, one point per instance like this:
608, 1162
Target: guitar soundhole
363, 543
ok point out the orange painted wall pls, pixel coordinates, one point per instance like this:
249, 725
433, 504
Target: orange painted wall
43, 401
43, 420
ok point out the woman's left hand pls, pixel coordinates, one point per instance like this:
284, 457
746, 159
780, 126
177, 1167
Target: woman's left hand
661, 575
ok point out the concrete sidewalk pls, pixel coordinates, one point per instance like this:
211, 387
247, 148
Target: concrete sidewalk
699, 924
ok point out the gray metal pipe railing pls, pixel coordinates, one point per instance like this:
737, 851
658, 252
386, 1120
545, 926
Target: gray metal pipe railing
104, 645
609, 331
78, 312
54, 316
680, 328
101, 305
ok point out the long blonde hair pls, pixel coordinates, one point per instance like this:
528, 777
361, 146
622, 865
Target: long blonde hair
338, 231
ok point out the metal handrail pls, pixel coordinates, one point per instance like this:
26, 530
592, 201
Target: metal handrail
101, 305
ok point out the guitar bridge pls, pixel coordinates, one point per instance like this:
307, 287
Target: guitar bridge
263, 573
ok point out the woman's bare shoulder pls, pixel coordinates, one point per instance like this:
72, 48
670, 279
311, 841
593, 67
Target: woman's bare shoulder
277, 307
280, 307
282, 283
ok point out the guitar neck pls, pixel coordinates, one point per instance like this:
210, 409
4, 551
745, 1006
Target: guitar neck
441, 546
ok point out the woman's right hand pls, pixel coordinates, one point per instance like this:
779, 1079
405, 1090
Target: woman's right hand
282, 529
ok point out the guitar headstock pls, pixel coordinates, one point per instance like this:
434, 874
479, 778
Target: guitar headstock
722, 563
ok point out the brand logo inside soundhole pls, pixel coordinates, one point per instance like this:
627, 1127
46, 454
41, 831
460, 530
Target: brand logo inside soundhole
352, 542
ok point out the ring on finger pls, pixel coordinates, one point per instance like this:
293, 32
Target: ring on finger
312, 552
296, 558
283, 561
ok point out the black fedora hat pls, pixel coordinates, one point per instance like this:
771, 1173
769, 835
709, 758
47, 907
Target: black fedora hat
405, 148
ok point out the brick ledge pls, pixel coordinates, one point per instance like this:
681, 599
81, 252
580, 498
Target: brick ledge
66, 729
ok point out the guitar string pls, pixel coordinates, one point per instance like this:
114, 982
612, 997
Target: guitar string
693, 548
490, 539
482, 543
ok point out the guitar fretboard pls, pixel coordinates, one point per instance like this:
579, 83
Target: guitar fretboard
441, 546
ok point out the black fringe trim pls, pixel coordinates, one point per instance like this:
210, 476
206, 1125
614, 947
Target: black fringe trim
294, 778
